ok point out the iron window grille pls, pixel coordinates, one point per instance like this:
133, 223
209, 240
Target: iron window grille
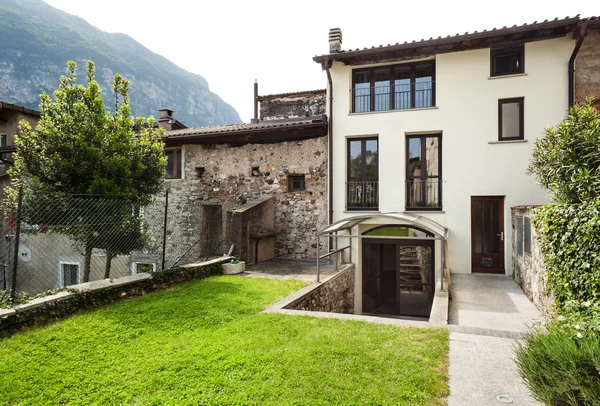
393, 87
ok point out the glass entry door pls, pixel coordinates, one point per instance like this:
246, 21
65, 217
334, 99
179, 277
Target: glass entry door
398, 277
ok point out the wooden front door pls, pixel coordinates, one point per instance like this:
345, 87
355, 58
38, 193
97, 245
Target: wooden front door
487, 234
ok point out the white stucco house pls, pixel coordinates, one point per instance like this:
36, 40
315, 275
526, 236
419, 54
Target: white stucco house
429, 147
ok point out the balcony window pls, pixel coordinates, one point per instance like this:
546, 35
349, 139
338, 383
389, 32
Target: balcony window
362, 188
424, 172
394, 87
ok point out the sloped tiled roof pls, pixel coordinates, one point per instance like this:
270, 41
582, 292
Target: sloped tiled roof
251, 127
566, 24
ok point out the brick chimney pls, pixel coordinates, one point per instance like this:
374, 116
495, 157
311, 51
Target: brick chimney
165, 119
335, 40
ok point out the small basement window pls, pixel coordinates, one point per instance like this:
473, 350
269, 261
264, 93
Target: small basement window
174, 160
519, 227
527, 235
143, 267
296, 183
69, 274
507, 61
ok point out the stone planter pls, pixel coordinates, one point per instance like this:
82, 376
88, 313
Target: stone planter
234, 269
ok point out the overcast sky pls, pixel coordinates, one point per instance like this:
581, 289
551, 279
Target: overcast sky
231, 43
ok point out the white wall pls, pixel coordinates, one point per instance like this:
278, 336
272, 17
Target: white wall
466, 114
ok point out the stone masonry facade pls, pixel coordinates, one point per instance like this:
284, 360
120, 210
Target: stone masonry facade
587, 67
529, 270
336, 295
292, 105
231, 176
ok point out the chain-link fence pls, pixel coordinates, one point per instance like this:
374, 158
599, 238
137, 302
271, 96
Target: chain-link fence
50, 243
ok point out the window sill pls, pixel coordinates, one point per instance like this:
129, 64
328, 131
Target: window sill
363, 211
392, 111
170, 180
507, 142
424, 211
516, 75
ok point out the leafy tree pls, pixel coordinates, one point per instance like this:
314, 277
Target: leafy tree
566, 160
79, 149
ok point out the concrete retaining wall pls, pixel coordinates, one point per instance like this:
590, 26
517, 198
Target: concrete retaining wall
89, 295
334, 295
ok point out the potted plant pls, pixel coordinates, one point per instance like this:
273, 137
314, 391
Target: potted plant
234, 267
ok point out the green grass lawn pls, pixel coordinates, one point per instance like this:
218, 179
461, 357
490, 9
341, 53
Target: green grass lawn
205, 343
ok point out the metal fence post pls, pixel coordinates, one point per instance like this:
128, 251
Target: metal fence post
13, 289
164, 242
318, 263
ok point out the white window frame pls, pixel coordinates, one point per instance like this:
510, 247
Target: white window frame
61, 274
135, 264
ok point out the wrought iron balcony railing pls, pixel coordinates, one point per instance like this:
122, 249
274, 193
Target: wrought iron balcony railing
362, 195
393, 97
424, 194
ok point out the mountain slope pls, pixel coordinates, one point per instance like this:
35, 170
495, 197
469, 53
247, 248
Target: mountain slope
37, 40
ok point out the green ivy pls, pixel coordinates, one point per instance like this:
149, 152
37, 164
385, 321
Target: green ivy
569, 237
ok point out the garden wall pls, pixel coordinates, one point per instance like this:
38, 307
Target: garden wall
529, 270
89, 295
334, 295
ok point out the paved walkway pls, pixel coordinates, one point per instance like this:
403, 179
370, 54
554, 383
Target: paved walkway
487, 314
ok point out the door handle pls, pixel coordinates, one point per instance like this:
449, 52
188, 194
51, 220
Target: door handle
501, 236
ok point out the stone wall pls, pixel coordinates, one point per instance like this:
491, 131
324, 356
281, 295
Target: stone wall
227, 178
292, 105
587, 67
529, 270
335, 295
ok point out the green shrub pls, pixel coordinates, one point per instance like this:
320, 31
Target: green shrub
569, 237
566, 160
560, 369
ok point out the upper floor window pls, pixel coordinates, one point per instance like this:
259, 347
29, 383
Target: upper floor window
362, 188
173, 163
424, 172
507, 61
511, 121
3, 140
395, 87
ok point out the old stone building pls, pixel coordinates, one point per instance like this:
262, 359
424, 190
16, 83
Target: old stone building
220, 172
587, 62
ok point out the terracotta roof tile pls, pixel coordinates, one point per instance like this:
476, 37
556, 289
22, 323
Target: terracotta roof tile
252, 127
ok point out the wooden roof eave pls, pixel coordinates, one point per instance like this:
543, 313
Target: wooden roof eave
265, 135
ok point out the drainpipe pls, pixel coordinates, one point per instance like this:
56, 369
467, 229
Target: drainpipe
582, 34
326, 66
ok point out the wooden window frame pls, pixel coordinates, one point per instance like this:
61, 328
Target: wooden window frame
175, 162
291, 179
392, 85
507, 51
521, 102
424, 176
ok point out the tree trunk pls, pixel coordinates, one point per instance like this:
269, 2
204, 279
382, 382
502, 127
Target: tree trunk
87, 264
109, 258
